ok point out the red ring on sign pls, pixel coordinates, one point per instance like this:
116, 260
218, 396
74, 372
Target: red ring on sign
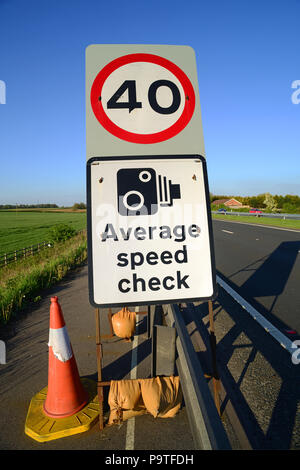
117, 131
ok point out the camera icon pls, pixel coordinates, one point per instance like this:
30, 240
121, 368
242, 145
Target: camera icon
141, 191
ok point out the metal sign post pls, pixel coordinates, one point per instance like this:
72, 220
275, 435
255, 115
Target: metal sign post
100, 383
99, 367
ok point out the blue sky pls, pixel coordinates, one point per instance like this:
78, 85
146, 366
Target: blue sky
248, 56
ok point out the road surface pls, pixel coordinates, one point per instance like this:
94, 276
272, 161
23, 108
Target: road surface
263, 265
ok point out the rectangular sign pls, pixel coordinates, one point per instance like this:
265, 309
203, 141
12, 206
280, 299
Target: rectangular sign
149, 231
142, 100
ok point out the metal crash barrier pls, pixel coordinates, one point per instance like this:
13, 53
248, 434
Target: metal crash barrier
206, 426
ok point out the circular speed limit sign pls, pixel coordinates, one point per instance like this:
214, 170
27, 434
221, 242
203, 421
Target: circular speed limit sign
142, 98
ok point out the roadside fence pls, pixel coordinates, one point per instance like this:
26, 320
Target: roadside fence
23, 253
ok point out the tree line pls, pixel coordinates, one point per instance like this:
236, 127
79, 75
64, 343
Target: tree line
77, 205
28, 206
273, 203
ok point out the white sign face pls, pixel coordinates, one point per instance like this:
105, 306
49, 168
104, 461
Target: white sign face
142, 100
149, 235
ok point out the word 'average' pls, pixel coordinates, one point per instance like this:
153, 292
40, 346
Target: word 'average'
141, 233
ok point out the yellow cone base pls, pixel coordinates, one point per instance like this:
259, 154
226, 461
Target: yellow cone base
42, 428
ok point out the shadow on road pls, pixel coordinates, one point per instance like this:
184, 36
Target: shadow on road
269, 279
272, 276
258, 344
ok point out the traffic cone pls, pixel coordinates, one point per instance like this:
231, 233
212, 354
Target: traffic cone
68, 405
65, 395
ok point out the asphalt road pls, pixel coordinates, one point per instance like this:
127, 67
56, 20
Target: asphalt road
263, 265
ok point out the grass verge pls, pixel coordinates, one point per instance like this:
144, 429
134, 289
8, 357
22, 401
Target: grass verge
23, 281
287, 223
22, 229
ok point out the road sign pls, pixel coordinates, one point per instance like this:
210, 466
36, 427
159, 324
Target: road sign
149, 231
142, 100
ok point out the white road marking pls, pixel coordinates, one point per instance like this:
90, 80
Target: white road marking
280, 337
227, 231
129, 443
257, 225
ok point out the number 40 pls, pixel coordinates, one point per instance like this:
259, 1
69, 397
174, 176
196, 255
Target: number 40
132, 103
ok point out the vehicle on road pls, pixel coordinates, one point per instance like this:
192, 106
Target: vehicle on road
255, 211
222, 210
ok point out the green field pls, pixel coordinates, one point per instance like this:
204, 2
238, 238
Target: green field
25, 281
20, 229
287, 223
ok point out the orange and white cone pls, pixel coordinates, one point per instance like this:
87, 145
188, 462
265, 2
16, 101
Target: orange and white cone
65, 395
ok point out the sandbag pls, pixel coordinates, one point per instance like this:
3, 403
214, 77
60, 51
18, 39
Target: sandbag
124, 323
125, 400
162, 396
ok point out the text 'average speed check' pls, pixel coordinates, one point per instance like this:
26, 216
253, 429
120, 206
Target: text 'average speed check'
137, 258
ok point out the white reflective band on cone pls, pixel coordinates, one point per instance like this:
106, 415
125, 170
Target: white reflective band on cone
60, 343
